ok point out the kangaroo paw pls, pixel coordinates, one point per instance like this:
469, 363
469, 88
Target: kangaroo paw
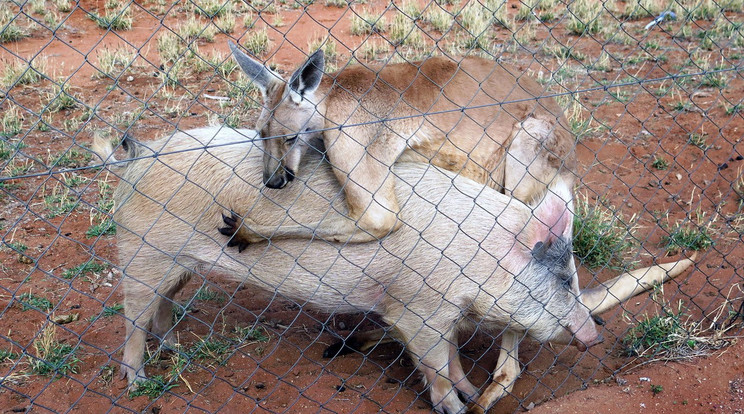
231, 229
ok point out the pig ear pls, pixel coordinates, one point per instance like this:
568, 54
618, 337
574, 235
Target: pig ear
552, 219
540, 250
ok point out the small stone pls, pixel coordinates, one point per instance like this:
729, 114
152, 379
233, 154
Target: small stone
342, 326
64, 319
130, 78
260, 386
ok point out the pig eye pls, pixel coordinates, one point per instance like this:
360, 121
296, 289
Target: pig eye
566, 282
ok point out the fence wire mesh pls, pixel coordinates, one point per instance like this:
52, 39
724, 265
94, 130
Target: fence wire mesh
96, 257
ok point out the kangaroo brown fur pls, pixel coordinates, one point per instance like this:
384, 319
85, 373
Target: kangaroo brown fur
462, 115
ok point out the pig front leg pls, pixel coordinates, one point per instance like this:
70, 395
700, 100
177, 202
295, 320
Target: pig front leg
457, 375
506, 373
430, 343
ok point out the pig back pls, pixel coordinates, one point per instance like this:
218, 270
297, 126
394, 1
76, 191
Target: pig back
455, 239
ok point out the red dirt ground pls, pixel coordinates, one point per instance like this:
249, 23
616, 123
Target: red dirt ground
286, 372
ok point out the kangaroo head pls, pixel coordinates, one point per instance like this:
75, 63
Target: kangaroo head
290, 117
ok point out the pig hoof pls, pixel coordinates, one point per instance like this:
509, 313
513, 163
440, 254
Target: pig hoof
343, 347
169, 343
134, 378
232, 224
470, 397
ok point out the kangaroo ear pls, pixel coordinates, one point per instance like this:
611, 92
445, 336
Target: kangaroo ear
552, 217
307, 78
261, 76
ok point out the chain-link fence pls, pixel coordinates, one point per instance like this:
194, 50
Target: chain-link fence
289, 307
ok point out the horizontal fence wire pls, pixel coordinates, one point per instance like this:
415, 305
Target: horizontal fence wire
148, 265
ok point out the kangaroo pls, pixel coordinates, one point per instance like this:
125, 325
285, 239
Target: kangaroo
465, 116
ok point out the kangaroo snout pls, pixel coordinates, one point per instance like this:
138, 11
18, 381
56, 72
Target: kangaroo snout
278, 179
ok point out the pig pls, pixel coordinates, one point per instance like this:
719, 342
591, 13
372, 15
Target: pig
463, 252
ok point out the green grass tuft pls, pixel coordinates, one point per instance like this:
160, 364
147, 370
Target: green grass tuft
653, 334
367, 22
30, 301
208, 295
698, 140
53, 356
11, 32
6, 355
601, 236
114, 20
83, 269
212, 350
660, 163
693, 237
71, 159
152, 388
105, 228
246, 334
257, 42
11, 124
61, 98
114, 310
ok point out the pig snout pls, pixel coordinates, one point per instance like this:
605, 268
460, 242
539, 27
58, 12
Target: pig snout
583, 346
585, 334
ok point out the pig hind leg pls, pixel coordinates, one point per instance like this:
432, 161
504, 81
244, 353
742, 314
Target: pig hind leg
162, 322
457, 375
143, 304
